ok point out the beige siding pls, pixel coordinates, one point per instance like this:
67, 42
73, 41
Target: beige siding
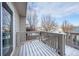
22, 24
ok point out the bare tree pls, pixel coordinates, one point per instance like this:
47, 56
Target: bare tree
32, 19
48, 23
66, 26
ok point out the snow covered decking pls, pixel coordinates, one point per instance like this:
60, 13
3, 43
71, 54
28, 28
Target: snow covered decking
70, 51
36, 48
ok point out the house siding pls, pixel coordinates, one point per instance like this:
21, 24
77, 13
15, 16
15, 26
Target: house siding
22, 24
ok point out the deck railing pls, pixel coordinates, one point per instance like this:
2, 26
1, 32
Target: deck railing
54, 40
72, 39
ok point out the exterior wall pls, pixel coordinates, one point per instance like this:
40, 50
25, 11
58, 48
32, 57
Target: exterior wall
22, 24
15, 23
22, 34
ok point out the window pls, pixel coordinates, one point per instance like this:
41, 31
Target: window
7, 37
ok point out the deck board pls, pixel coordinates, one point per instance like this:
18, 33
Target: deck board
36, 48
41, 49
46, 49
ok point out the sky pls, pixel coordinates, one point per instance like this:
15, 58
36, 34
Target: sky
59, 10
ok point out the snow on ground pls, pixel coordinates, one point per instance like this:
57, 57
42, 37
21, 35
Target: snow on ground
70, 51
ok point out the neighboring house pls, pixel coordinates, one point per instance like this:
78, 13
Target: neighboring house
12, 20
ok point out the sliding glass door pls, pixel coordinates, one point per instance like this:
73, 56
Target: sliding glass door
7, 37
6, 26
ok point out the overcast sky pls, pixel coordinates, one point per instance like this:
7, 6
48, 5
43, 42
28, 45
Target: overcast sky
60, 11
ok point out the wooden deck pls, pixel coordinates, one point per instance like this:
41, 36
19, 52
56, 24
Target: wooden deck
36, 48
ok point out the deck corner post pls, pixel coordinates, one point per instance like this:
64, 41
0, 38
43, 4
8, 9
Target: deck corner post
61, 44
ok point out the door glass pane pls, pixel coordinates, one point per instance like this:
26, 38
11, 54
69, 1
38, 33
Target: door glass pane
6, 32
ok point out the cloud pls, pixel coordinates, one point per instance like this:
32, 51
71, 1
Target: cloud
57, 9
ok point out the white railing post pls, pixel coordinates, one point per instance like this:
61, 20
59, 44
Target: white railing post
61, 45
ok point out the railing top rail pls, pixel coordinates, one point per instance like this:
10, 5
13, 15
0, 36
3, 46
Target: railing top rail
76, 33
54, 33
45, 32
42, 32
